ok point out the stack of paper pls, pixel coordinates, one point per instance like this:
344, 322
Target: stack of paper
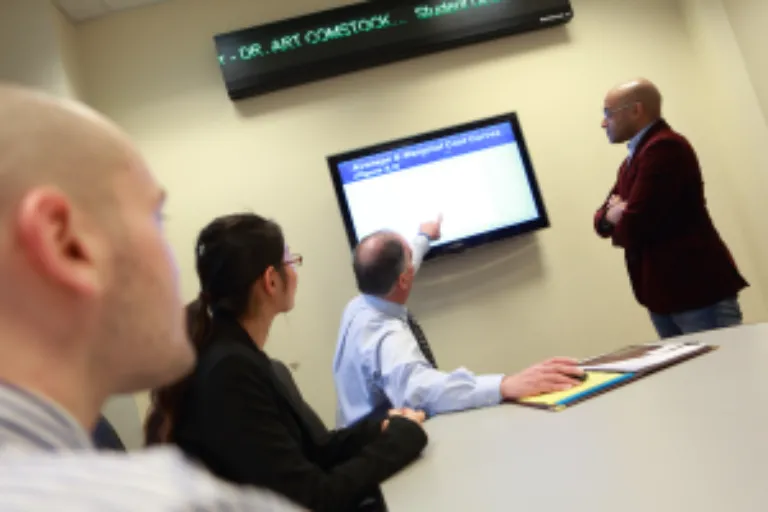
595, 382
641, 357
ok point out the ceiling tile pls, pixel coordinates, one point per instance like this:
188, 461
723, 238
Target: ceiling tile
116, 5
79, 10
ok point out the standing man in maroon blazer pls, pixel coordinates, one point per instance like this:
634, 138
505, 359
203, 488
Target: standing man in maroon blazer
678, 265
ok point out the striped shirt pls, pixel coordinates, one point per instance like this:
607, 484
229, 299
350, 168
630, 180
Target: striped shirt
48, 462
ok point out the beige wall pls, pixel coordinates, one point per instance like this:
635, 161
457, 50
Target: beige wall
40, 47
31, 51
727, 97
69, 58
561, 291
749, 20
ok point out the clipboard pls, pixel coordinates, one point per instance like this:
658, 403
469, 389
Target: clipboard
612, 370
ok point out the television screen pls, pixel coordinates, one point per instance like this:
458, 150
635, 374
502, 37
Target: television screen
478, 176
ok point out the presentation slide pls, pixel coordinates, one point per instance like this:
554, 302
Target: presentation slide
475, 179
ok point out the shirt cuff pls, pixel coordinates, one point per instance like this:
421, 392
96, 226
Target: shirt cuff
420, 246
489, 389
422, 240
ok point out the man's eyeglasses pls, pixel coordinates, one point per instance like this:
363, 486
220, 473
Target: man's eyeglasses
608, 113
295, 260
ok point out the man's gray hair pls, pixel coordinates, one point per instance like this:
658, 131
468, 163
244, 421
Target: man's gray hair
377, 271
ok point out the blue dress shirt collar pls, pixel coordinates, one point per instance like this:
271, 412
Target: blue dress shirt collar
387, 307
635, 141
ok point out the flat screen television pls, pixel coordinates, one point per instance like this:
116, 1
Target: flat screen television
477, 175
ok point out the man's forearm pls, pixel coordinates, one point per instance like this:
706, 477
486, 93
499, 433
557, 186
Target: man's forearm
438, 392
485, 391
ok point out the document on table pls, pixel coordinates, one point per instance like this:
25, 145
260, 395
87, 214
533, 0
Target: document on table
641, 357
595, 381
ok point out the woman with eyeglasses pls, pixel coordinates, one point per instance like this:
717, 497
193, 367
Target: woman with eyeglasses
235, 416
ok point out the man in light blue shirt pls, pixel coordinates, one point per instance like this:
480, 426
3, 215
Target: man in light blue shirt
379, 363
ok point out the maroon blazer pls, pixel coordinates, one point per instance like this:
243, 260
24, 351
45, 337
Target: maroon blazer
675, 258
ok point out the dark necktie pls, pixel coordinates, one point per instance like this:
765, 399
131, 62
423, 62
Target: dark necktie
421, 339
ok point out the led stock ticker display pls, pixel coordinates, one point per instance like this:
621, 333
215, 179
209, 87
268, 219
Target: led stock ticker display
297, 40
328, 43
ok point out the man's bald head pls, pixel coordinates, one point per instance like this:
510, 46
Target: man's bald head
640, 91
630, 107
379, 261
57, 143
90, 303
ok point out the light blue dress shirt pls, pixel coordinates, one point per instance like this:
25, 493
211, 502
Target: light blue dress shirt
378, 364
634, 141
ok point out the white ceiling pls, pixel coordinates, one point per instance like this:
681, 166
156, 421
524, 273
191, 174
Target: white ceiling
80, 10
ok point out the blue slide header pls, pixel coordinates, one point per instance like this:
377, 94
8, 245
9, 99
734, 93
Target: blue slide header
379, 164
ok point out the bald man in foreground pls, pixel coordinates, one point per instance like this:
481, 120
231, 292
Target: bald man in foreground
679, 267
383, 359
89, 307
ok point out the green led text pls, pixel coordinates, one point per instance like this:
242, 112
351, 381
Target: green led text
316, 36
425, 12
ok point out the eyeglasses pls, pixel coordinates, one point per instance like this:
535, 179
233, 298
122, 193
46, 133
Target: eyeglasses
608, 113
295, 260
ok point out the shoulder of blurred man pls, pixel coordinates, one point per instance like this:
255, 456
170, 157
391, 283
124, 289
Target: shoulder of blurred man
160, 478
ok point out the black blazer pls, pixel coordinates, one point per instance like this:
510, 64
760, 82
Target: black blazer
239, 420
308, 415
105, 437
